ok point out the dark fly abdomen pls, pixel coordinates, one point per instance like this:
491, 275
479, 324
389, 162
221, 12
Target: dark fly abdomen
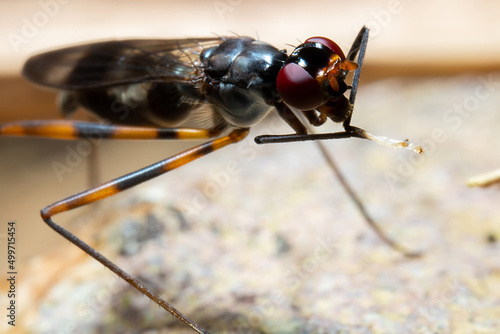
158, 104
241, 79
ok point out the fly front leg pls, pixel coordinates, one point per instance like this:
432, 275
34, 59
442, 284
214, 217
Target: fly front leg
314, 118
290, 118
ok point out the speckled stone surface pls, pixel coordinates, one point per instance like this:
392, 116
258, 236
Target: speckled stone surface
262, 239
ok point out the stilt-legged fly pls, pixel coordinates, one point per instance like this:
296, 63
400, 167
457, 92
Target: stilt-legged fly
147, 89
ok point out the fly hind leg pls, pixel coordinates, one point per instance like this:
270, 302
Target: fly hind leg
75, 130
125, 182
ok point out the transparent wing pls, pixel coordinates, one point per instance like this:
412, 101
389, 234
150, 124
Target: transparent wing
112, 63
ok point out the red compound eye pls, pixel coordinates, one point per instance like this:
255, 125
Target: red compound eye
328, 43
298, 88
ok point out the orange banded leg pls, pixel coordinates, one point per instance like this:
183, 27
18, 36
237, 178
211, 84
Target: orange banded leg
64, 129
127, 181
